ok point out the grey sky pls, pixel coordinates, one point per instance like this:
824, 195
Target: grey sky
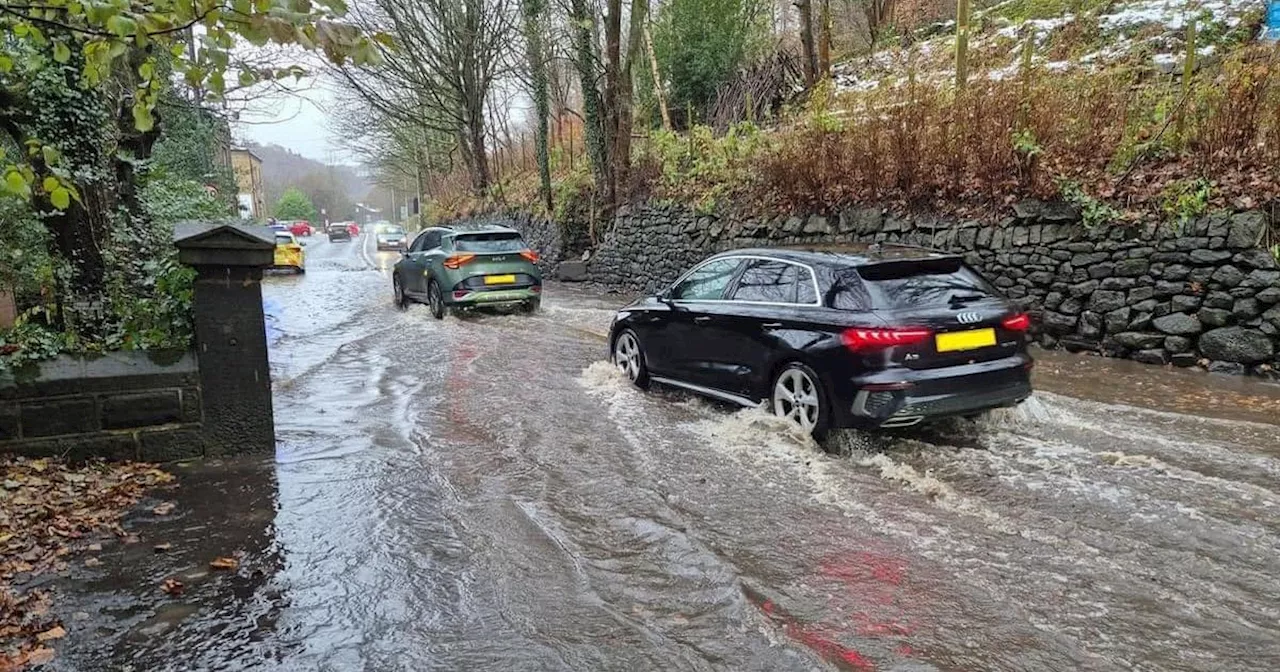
295, 121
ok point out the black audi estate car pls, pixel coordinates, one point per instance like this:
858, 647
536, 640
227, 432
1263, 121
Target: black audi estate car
856, 336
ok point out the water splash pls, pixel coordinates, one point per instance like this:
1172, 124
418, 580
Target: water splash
602, 377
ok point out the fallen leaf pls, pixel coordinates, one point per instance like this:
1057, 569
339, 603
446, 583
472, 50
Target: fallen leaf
56, 632
164, 509
172, 586
162, 548
224, 563
40, 656
92, 562
95, 547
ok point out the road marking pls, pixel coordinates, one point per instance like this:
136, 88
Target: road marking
364, 252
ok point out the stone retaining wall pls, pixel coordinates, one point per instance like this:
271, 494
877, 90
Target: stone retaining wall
1200, 293
122, 406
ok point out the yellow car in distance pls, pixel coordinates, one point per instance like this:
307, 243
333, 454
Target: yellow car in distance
288, 253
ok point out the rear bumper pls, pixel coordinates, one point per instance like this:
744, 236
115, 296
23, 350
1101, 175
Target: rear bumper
904, 397
493, 297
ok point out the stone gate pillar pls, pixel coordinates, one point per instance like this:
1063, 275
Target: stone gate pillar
231, 340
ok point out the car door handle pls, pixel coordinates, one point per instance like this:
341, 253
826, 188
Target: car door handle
702, 320
771, 325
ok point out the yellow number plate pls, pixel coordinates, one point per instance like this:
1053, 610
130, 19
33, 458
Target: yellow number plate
966, 340
504, 280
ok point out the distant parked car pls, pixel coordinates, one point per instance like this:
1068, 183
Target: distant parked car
864, 336
391, 237
468, 266
302, 229
339, 232
354, 229
289, 253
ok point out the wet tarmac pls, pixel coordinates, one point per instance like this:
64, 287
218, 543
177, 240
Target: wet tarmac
484, 493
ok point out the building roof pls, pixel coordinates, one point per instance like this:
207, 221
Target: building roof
248, 151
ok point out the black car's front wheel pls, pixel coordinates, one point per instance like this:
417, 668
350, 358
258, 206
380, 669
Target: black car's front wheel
436, 299
799, 397
629, 358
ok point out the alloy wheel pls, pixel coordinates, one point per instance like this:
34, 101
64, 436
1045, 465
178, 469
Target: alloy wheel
626, 355
795, 397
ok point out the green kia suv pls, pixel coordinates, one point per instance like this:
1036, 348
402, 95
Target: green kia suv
466, 266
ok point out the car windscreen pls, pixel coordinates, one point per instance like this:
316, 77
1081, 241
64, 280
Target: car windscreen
392, 231
489, 242
284, 240
918, 283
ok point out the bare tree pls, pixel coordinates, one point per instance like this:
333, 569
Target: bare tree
438, 75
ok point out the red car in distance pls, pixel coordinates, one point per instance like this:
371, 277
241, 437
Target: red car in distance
301, 228
354, 229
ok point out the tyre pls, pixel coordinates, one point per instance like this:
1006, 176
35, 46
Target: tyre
436, 300
798, 396
531, 306
401, 301
628, 356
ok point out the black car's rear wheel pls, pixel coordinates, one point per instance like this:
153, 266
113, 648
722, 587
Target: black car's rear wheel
402, 301
436, 300
628, 356
799, 397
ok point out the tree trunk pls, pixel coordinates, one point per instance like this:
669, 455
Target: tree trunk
824, 46
622, 140
533, 12
808, 53
657, 79
592, 112
612, 93
962, 43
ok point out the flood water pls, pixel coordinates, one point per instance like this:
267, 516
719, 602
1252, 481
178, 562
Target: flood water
484, 493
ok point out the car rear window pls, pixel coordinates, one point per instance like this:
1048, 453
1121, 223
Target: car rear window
920, 283
489, 242
284, 240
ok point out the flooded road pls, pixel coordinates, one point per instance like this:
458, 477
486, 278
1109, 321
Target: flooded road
484, 493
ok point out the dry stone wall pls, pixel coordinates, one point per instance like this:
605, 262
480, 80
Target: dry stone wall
1203, 293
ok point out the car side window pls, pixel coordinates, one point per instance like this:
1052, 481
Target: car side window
419, 242
848, 293
707, 282
433, 241
767, 281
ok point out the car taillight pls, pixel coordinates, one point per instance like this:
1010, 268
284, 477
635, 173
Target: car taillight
530, 255
460, 293
863, 340
1019, 322
536, 288
456, 261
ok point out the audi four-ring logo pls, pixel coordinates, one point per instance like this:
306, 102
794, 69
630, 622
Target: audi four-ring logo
968, 317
